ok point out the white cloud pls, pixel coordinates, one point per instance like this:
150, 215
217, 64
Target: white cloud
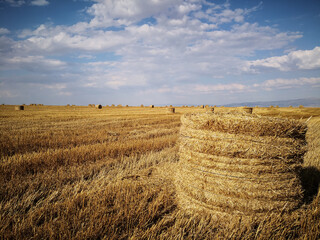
295, 60
281, 83
115, 13
32, 63
15, 3
54, 86
220, 87
271, 84
4, 31
7, 94
39, 2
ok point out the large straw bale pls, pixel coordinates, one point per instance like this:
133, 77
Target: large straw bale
239, 164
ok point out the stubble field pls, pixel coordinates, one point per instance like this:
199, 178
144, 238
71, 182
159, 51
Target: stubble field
84, 173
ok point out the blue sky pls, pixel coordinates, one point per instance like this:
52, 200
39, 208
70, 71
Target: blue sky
158, 52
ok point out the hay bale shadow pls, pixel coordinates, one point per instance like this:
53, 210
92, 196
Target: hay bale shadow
310, 180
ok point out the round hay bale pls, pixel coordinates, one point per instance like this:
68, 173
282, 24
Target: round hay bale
99, 106
19, 108
171, 110
239, 164
141, 105
152, 106
247, 109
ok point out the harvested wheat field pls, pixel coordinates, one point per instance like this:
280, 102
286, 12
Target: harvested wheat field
79, 173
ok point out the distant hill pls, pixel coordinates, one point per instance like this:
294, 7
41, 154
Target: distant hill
307, 102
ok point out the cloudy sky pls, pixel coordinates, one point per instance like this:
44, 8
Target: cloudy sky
158, 51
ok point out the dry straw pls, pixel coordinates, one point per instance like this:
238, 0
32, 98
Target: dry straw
239, 164
210, 110
19, 108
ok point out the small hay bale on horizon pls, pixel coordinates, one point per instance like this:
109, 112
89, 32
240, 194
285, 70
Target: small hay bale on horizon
152, 106
19, 108
171, 110
247, 109
99, 106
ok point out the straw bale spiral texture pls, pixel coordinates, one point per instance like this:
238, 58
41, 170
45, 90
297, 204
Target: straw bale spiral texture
239, 164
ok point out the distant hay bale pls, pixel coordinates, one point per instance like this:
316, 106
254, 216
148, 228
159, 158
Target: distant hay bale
301, 106
141, 105
119, 105
152, 106
90, 105
171, 110
112, 105
127, 105
19, 108
239, 164
247, 109
68, 105
99, 106
201, 106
